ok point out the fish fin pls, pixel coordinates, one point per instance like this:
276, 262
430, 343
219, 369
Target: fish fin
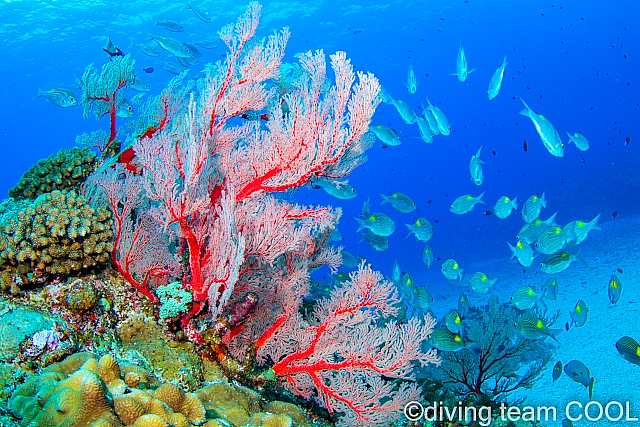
513, 251
555, 332
595, 225
360, 223
570, 138
40, 91
593, 380
479, 198
471, 71
454, 74
552, 219
385, 199
410, 230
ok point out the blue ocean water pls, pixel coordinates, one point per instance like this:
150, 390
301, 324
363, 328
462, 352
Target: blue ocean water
575, 61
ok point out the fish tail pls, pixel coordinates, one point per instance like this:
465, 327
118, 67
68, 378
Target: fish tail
525, 111
409, 226
385, 199
594, 223
504, 61
515, 202
39, 94
593, 380
570, 138
479, 198
553, 333
361, 225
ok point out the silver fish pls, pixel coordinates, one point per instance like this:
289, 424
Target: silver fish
424, 129
173, 46
546, 130
386, 135
462, 68
412, 81
529, 233
453, 322
339, 190
581, 229
452, 270
557, 262
475, 168
170, 25
504, 206
523, 253
441, 120
396, 272
406, 113
578, 372
496, 80
480, 283
399, 201
579, 140
59, 97
550, 289
207, 44
532, 327
378, 223
379, 243
552, 240
433, 124
526, 297
139, 86
427, 256
579, 315
421, 229
532, 207
445, 340
615, 289
146, 49
200, 14
466, 203
170, 67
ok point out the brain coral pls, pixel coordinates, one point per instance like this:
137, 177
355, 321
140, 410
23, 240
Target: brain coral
64, 171
59, 233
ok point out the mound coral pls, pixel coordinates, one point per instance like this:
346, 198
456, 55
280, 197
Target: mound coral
59, 233
84, 391
64, 171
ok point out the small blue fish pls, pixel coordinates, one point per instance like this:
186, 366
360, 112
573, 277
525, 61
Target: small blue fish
399, 201
504, 206
629, 349
421, 229
465, 204
427, 256
578, 372
452, 270
578, 315
557, 371
531, 209
615, 289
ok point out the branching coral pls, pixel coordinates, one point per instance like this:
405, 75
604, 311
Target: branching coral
57, 234
64, 171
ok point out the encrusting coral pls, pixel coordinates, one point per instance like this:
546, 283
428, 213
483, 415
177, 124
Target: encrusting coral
64, 171
57, 234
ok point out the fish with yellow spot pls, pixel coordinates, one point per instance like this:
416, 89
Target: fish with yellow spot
466, 203
529, 233
578, 315
582, 229
504, 206
427, 256
463, 305
378, 223
629, 349
399, 201
445, 340
526, 297
615, 289
523, 253
532, 207
452, 270
480, 283
339, 190
475, 168
532, 327
422, 299
579, 140
385, 134
548, 133
558, 262
453, 322
552, 240
421, 229
406, 113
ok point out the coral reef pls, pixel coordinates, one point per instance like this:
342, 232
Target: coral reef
64, 171
55, 235
83, 390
